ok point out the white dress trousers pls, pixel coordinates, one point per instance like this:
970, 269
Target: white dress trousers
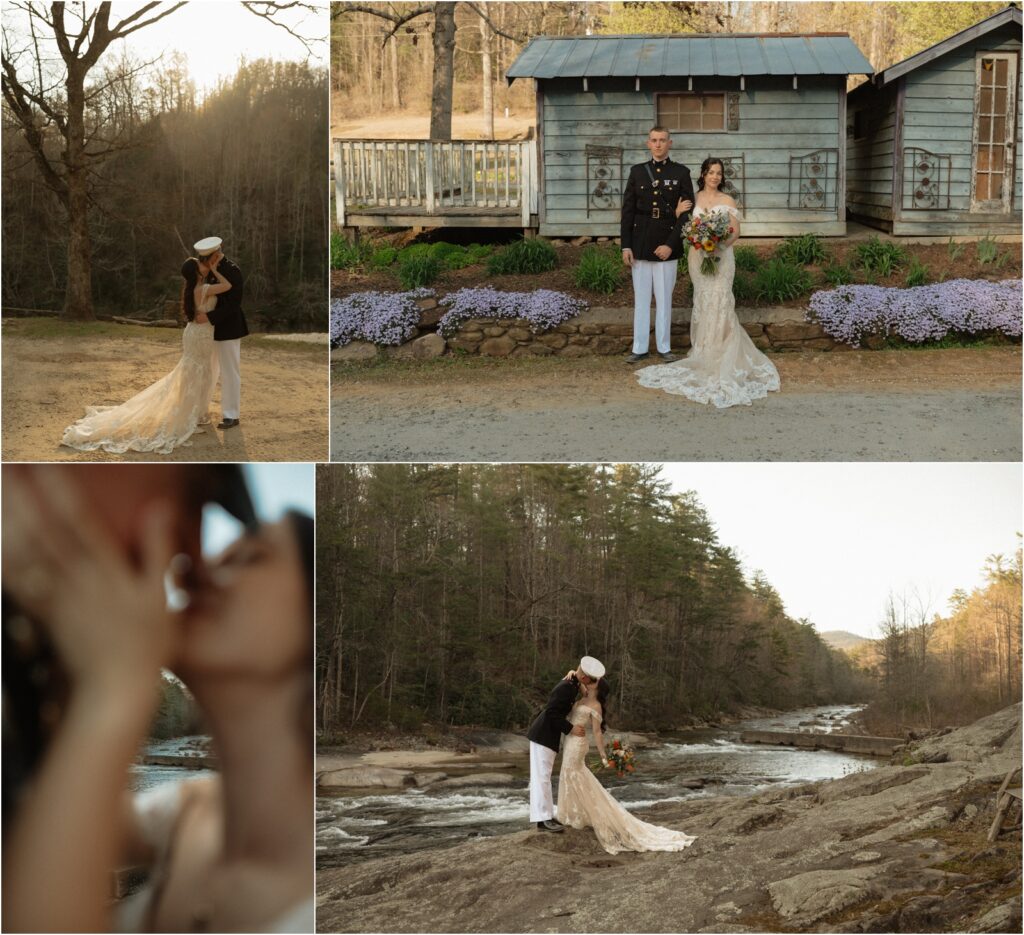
229, 353
657, 278
542, 761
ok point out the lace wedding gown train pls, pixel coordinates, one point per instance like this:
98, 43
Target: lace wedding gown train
584, 803
165, 414
724, 367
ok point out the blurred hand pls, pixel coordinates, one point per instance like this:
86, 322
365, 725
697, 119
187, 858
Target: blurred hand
106, 616
663, 252
683, 207
627, 256
579, 731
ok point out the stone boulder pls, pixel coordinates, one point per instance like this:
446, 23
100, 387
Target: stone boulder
811, 896
477, 779
497, 347
355, 351
426, 347
366, 777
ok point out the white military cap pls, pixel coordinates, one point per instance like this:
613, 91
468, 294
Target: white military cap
590, 666
207, 245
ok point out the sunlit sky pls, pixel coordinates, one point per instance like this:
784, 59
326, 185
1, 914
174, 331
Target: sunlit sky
214, 34
275, 488
835, 539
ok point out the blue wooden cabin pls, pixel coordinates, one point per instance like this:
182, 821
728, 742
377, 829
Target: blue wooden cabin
933, 142
772, 107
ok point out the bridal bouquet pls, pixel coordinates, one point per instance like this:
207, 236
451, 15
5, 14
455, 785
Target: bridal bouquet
621, 759
704, 233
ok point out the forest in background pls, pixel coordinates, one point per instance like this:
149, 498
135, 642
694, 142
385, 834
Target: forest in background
245, 161
934, 670
458, 594
377, 69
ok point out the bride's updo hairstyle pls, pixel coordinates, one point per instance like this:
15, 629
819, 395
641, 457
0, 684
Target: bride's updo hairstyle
603, 691
190, 273
705, 166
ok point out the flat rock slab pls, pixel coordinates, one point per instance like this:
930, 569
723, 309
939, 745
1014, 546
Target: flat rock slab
366, 777
477, 779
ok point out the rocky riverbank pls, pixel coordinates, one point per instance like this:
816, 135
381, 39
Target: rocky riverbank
898, 848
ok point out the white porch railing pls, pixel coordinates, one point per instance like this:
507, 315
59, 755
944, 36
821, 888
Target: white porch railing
435, 177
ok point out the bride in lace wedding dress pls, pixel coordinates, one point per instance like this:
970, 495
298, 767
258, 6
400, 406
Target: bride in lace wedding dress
724, 367
584, 803
165, 414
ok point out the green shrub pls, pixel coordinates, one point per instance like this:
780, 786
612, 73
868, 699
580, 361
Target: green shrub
479, 251
534, 255
778, 281
881, 257
743, 287
918, 274
988, 250
747, 259
414, 251
804, 250
383, 257
346, 255
418, 270
599, 270
954, 250
836, 274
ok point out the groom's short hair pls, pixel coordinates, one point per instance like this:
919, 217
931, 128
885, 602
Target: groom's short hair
658, 128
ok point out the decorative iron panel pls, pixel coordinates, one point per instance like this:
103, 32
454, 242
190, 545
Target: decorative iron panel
604, 178
812, 180
925, 180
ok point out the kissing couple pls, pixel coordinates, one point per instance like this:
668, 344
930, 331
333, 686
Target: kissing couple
580, 701
106, 591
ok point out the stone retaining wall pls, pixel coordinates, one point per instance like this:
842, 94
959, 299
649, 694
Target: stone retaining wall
596, 331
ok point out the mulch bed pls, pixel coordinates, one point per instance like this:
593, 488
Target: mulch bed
934, 256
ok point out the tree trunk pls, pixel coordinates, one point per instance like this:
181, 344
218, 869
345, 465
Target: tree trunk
78, 292
444, 71
488, 88
396, 94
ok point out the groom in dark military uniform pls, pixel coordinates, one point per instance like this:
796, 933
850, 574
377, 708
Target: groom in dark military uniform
651, 238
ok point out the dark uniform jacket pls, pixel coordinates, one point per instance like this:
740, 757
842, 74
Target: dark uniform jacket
649, 210
548, 727
227, 318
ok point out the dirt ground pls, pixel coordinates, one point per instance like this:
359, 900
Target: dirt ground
416, 126
52, 370
896, 405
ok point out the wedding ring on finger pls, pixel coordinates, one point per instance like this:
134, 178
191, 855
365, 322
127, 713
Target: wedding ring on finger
178, 597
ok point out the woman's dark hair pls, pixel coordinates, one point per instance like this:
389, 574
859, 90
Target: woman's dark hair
190, 273
704, 166
603, 691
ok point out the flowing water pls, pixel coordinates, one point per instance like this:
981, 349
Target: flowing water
145, 777
358, 825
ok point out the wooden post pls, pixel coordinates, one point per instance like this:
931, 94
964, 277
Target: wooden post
525, 184
428, 152
1003, 800
339, 182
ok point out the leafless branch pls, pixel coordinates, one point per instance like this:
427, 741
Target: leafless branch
269, 9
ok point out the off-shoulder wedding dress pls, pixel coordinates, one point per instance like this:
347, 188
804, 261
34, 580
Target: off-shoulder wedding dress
165, 414
724, 367
584, 803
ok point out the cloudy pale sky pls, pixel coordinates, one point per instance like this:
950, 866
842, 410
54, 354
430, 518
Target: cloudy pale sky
214, 34
835, 539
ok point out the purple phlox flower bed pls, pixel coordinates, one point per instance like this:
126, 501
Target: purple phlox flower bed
542, 308
378, 317
920, 313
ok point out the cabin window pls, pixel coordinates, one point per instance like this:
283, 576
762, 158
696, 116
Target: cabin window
691, 113
994, 112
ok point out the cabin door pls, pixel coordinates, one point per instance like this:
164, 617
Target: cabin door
994, 131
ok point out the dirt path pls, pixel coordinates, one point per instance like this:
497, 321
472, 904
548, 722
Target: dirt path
52, 370
938, 405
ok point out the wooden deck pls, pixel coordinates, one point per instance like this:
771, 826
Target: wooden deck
436, 183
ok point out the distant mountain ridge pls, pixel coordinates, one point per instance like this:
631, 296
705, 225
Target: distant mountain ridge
843, 639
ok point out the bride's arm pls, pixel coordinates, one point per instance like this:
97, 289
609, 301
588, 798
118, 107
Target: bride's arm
222, 284
599, 737
734, 222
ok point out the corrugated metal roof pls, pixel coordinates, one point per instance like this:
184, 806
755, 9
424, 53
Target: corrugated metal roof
654, 56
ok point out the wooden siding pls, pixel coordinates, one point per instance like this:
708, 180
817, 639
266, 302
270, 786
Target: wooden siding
776, 123
939, 117
870, 163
